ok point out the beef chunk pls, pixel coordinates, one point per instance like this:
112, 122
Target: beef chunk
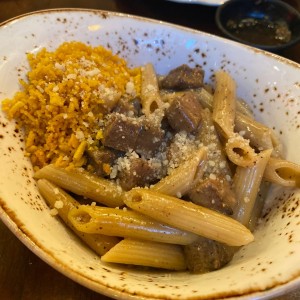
205, 255
183, 78
99, 159
139, 134
184, 113
139, 172
149, 138
120, 133
215, 194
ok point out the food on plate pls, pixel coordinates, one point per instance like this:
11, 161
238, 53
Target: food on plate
148, 169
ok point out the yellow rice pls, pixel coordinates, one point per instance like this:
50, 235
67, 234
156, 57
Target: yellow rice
65, 97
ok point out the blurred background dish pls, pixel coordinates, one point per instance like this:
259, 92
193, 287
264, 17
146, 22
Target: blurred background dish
203, 2
266, 24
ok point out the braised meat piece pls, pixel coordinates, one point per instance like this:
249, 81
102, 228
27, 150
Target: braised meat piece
126, 133
102, 159
120, 132
205, 255
215, 194
184, 113
183, 78
149, 138
139, 172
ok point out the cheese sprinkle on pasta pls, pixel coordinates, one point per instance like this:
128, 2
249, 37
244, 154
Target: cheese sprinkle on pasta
65, 97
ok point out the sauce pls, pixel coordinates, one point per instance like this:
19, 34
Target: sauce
260, 31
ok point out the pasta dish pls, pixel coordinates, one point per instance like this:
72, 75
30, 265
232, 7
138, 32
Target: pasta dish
147, 169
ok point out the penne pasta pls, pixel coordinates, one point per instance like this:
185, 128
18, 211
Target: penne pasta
282, 172
145, 253
83, 183
63, 203
205, 97
126, 223
243, 108
258, 205
246, 184
224, 113
260, 136
150, 96
224, 104
188, 216
239, 151
184, 176
216, 156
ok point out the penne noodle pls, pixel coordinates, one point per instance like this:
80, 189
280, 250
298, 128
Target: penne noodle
243, 108
283, 172
277, 146
260, 136
224, 114
126, 223
182, 179
206, 99
189, 216
217, 162
145, 253
83, 183
258, 205
224, 104
150, 95
240, 152
246, 184
63, 202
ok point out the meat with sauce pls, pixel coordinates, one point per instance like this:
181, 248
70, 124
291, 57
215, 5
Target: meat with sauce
128, 133
184, 113
138, 172
215, 194
183, 78
101, 160
205, 255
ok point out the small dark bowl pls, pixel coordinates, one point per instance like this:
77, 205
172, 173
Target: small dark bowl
271, 25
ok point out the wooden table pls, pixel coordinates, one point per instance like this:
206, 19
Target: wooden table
22, 274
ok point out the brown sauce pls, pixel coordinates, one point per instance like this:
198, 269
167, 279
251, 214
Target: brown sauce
260, 31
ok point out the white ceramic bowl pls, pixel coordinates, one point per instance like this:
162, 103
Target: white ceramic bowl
269, 266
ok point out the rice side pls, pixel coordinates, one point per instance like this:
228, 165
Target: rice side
64, 99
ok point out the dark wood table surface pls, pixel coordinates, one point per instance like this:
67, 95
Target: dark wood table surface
22, 274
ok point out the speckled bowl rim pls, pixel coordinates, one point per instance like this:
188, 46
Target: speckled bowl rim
9, 220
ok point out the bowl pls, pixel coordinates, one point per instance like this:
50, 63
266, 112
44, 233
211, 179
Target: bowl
271, 25
265, 268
